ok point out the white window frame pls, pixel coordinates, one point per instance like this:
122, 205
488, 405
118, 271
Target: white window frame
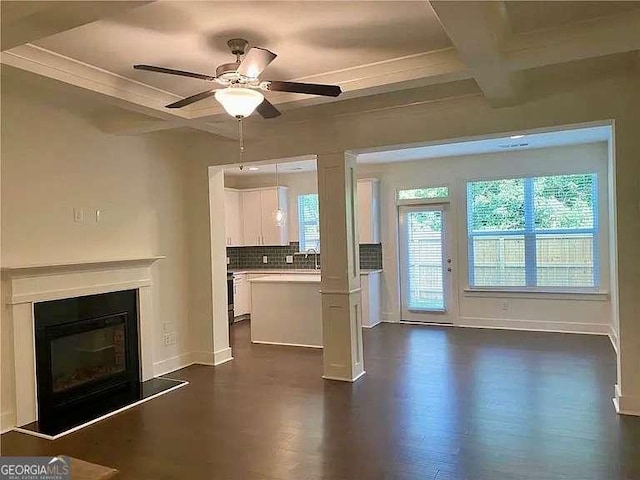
301, 239
529, 233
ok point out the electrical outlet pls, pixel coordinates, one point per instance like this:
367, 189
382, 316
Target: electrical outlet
170, 338
289, 259
504, 306
265, 259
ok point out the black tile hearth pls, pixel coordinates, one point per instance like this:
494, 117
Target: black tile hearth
146, 391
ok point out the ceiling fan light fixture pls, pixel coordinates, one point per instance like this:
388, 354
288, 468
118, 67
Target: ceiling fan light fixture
239, 102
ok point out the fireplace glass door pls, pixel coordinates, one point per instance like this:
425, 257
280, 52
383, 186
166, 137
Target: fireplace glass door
89, 356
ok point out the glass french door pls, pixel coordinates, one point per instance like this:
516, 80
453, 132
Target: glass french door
425, 263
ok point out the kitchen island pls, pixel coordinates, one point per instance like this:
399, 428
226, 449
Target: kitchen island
286, 310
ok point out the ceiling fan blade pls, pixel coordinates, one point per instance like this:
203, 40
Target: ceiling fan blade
192, 99
267, 110
171, 71
255, 61
310, 88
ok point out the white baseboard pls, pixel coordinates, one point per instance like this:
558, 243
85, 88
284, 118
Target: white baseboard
533, 325
172, 364
7, 421
340, 379
191, 358
372, 326
222, 356
626, 404
287, 344
202, 358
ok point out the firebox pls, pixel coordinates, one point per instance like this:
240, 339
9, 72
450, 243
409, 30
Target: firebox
87, 359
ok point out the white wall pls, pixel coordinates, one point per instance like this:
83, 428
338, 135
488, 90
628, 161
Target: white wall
52, 162
298, 183
532, 313
616, 98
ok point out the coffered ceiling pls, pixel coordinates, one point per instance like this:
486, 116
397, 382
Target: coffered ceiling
382, 53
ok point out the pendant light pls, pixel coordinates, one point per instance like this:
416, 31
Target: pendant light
279, 216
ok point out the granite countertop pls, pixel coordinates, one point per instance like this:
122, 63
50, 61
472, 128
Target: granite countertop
290, 271
292, 278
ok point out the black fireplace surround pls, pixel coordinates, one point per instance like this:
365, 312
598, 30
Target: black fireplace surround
87, 360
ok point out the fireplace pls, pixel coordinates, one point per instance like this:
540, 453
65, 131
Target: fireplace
87, 360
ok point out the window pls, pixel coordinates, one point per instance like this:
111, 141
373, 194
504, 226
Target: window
420, 193
534, 232
308, 222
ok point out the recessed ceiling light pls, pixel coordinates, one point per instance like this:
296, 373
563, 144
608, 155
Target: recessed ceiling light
253, 169
515, 137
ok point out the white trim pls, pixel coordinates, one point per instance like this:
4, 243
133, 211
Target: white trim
222, 356
351, 380
103, 417
597, 296
626, 404
372, 326
533, 325
172, 364
340, 292
77, 292
302, 345
202, 358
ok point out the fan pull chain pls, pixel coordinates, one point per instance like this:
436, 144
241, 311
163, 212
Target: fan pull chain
241, 134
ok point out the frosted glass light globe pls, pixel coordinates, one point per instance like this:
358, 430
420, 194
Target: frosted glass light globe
238, 101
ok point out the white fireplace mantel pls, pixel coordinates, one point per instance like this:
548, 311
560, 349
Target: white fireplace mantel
25, 285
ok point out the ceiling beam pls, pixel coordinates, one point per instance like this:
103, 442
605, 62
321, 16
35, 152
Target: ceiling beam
23, 22
476, 30
594, 38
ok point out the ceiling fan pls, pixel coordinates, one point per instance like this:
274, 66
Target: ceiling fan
242, 93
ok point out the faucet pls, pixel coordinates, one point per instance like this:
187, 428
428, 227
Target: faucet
315, 256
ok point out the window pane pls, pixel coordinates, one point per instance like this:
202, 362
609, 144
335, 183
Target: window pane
429, 192
425, 282
564, 201
498, 261
308, 222
496, 205
565, 260
554, 224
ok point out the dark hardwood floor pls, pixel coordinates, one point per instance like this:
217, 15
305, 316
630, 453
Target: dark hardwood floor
436, 403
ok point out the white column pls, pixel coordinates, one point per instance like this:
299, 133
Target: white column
341, 302
627, 168
220, 323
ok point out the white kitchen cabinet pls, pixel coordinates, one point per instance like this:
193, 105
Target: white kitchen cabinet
233, 217
371, 299
258, 207
241, 295
369, 210
251, 217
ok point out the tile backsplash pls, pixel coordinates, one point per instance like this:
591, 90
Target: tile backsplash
251, 257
